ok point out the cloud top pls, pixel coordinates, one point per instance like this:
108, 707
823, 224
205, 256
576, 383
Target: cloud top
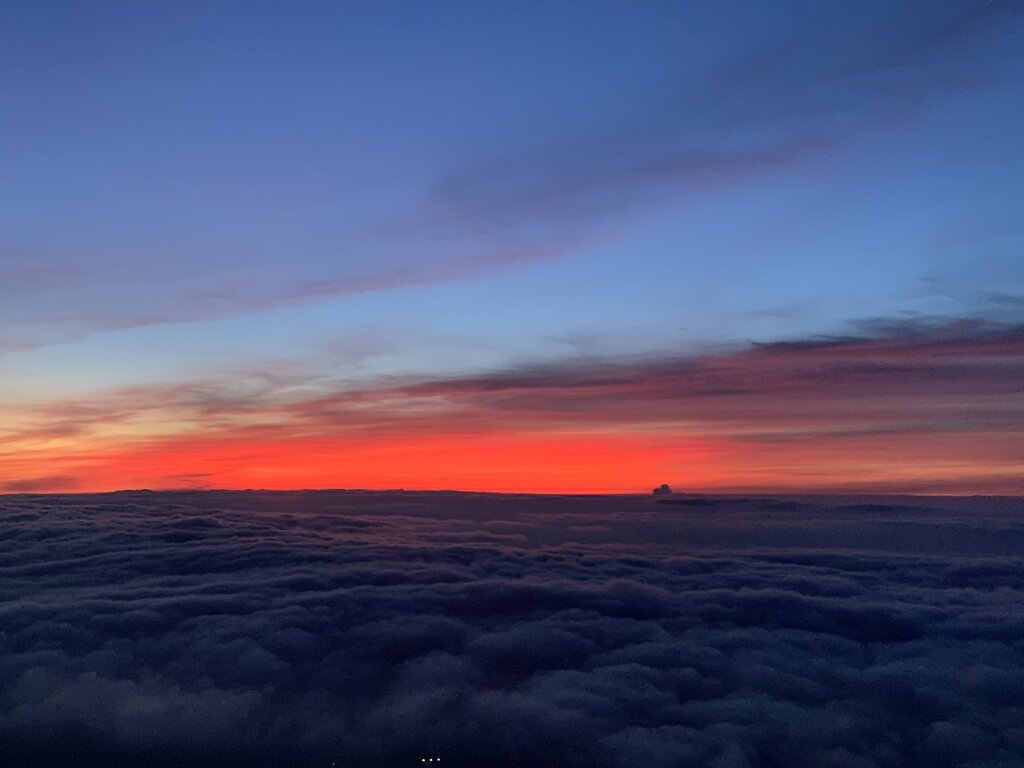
310, 628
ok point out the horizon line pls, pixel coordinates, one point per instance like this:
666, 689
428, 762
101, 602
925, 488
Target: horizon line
641, 494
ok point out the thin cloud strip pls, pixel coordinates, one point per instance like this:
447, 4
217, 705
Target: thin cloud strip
943, 400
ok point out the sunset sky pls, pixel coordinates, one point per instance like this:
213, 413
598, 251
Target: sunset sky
531, 246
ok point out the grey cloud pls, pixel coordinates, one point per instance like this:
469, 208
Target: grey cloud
37, 484
260, 629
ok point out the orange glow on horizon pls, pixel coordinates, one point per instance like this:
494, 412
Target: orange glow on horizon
565, 462
938, 412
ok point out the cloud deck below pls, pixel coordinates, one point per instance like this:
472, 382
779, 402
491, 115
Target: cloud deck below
370, 628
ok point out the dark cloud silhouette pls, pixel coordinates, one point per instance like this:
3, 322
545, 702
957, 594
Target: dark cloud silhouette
254, 628
927, 362
37, 484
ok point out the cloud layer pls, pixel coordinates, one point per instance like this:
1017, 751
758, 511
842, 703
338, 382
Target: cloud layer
296, 629
910, 406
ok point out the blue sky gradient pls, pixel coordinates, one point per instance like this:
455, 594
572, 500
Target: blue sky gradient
364, 191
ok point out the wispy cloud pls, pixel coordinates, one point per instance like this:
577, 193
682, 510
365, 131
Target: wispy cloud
940, 398
799, 91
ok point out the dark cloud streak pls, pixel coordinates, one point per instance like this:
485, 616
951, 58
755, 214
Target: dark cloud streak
805, 89
36, 484
920, 390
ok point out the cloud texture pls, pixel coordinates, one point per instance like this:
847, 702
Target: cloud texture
226, 629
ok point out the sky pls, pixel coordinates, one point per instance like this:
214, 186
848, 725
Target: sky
554, 246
